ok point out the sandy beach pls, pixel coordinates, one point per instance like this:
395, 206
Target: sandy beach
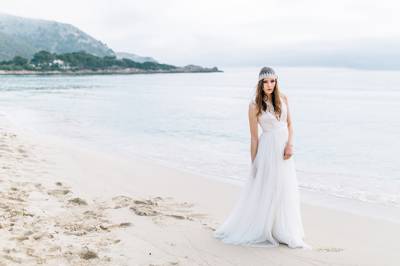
63, 204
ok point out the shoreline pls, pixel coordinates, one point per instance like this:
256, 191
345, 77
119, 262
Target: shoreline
367, 209
373, 210
128, 71
151, 214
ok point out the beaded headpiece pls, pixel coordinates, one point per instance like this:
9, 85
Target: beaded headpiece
267, 72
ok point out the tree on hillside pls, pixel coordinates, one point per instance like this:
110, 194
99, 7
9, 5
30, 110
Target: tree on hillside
43, 58
19, 61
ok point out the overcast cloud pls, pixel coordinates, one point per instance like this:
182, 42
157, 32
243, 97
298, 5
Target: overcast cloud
233, 32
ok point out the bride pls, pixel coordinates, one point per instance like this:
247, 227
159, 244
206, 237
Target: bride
268, 208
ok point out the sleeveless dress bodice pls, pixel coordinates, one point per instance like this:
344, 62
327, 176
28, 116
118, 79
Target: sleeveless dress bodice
268, 121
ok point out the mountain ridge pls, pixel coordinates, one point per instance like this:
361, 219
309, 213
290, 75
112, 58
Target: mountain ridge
25, 36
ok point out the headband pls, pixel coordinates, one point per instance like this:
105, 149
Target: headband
267, 72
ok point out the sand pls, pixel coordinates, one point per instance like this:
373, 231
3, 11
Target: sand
64, 204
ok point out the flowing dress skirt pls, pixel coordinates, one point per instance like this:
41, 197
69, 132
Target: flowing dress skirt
267, 211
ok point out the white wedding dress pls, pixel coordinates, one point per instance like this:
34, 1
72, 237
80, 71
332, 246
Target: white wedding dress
267, 211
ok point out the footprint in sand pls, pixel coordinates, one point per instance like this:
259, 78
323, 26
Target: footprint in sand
209, 227
87, 254
331, 249
58, 192
158, 208
77, 201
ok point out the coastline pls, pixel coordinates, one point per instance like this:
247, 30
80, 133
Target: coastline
150, 214
127, 71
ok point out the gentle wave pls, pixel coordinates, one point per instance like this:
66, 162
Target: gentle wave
346, 131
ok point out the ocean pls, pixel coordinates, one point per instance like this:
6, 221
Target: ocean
346, 124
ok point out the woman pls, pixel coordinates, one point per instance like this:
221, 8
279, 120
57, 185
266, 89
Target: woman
268, 209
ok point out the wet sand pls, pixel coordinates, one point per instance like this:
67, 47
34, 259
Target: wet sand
62, 204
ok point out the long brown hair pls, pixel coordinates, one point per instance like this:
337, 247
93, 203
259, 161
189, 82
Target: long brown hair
276, 99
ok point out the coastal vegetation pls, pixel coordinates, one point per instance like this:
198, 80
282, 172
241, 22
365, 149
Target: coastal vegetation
75, 62
46, 61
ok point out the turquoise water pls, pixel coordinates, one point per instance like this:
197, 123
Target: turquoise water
345, 122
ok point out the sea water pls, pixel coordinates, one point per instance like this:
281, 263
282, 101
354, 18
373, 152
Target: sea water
346, 122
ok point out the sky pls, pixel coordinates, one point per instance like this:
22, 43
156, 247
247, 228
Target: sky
360, 33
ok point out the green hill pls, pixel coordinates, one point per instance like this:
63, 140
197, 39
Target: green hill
24, 37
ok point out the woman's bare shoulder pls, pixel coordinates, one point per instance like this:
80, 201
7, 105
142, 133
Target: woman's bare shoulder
253, 108
252, 102
284, 97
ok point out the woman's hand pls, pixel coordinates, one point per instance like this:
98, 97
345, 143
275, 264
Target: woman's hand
288, 152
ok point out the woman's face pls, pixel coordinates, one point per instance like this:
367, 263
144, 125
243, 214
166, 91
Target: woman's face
269, 85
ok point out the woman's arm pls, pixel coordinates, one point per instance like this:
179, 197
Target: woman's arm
289, 145
253, 130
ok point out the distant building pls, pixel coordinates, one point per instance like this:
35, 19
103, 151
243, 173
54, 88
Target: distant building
59, 63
